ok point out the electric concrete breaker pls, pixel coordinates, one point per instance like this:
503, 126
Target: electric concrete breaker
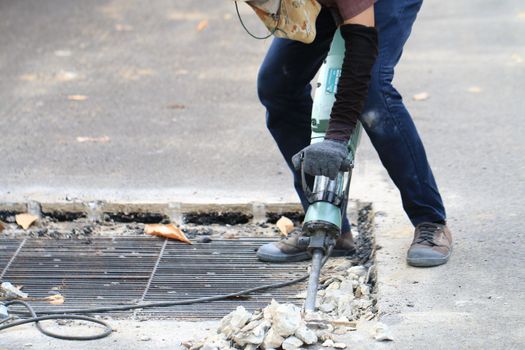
327, 198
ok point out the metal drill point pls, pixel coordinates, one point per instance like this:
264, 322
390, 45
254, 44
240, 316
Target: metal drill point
313, 282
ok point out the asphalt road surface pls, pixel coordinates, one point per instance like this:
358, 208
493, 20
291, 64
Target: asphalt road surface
134, 100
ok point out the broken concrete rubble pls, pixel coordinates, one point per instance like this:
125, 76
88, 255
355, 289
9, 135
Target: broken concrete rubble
252, 335
306, 335
7, 290
292, 343
234, 321
286, 318
344, 298
328, 343
272, 340
382, 332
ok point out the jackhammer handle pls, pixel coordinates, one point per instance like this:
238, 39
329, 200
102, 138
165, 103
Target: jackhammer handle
347, 164
297, 160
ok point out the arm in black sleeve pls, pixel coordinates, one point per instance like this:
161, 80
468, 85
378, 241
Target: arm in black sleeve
352, 89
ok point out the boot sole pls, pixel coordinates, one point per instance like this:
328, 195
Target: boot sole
298, 257
428, 262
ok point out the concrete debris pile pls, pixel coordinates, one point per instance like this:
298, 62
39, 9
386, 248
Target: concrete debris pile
345, 297
277, 326
346, 291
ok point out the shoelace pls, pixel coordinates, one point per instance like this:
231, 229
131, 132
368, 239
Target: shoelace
427, 233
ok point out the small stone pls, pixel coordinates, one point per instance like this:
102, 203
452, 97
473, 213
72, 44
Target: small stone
329, 343
344, 305
145, 338
272, 340
334, 285
324, 335
327, 307
10, 291
209, 347
357, 270
340, 330
332, 296
307, 335
292, 343
340, 345
365, 289
382, 333
257, 315
215, 342
234, 321
286, 319
253, 335
347, 286
314, 317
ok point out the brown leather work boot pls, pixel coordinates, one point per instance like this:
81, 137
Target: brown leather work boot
432, 245
287, 250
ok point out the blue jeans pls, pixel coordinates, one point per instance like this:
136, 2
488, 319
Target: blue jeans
284, 89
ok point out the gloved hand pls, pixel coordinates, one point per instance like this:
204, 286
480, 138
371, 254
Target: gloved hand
323, 158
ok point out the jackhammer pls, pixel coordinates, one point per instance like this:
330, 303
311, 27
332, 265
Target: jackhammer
327, 198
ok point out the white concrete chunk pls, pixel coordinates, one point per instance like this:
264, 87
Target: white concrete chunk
292, 343
307, 335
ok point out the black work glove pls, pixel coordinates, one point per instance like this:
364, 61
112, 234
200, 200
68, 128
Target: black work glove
325, 158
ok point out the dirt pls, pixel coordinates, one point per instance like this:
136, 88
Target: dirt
83, 228
223, 218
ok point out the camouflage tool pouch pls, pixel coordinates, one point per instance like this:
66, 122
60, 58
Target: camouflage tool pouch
290, 19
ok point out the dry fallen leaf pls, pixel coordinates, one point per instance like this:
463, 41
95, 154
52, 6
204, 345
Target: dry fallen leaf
475, 89
176, 106
516, 58
102, 139
28, 77
2, 227
134, 73
202, 25
123, 27
421, 96
66, 76
166, 231
77, 97
55, 299
63, 53
25, 220
285, 225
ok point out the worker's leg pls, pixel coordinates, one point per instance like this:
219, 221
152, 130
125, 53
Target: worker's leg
388, 122
284, 89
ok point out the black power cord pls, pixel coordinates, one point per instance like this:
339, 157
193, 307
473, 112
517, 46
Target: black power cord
36, 320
